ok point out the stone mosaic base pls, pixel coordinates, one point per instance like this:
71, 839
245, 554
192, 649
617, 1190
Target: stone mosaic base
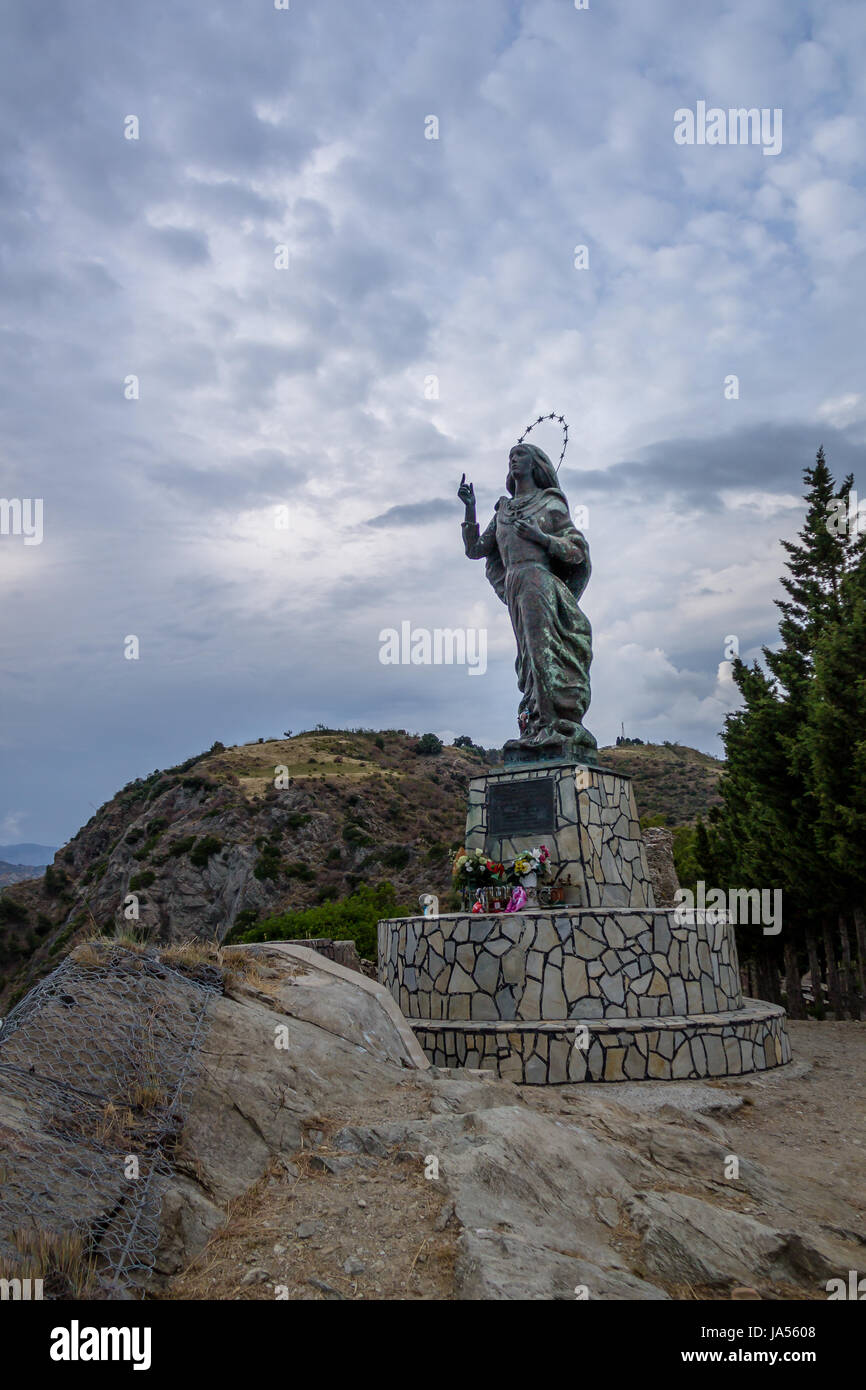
559, 963
753, 1038
594, 841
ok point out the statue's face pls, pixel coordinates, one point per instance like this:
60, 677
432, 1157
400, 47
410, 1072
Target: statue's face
520, 463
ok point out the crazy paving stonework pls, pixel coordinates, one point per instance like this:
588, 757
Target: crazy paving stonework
558, 964
743, 1040
645, 996
594, 835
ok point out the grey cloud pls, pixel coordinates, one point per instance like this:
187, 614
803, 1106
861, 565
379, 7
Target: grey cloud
230, 200
258, 366
252, 480
312, 220
415, 513
181, 245
767, 457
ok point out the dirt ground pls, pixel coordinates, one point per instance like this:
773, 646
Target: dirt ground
384, 1233
811, 1127
325, 1227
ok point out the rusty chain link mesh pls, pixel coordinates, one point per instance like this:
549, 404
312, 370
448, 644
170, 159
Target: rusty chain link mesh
94, 1070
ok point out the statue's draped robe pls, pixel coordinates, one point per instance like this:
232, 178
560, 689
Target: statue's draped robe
541, 588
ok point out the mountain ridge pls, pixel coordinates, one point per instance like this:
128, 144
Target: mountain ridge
213, 844
27, 854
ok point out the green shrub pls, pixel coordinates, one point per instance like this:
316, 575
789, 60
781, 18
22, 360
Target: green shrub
429, 746
298, 869
10, 910
142, 880
56, 880
268, 864
62, 939
246, 918
395, 856
155, 829
686, 862
207, 846
182, 846
354, 834
348, 919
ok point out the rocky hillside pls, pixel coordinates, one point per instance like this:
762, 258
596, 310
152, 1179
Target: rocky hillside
669, 780
215, 843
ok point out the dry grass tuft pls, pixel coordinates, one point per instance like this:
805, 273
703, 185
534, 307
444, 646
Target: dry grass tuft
61, 1261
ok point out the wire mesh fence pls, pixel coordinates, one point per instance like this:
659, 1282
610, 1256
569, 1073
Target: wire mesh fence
95, 1071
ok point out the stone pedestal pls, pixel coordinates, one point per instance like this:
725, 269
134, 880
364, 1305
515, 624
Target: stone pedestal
586, 816
605, 987
606, 994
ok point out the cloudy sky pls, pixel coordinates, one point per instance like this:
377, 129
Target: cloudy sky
269, 136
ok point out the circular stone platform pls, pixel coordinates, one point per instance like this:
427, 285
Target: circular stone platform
667, 1049
579, 994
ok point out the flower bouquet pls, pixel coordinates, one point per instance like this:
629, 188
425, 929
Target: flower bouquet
479, 878
487, 881
529, 866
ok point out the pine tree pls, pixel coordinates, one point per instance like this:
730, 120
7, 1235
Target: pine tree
835, 738
767, 832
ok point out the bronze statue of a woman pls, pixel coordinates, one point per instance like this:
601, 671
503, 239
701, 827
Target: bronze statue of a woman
538, 563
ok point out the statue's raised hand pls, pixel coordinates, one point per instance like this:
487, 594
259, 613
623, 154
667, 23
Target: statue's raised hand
466, 493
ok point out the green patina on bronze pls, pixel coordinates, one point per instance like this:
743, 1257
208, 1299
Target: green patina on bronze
538, 564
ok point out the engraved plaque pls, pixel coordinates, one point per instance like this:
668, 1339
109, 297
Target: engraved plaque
520, 808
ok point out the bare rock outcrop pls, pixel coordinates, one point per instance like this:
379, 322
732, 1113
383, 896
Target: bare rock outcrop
316, 1154
659, 845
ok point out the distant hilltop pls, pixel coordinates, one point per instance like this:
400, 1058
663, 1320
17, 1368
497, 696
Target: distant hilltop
39, 855
17, 873
236, 834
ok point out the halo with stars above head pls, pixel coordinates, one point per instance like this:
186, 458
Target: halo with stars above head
552, 416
